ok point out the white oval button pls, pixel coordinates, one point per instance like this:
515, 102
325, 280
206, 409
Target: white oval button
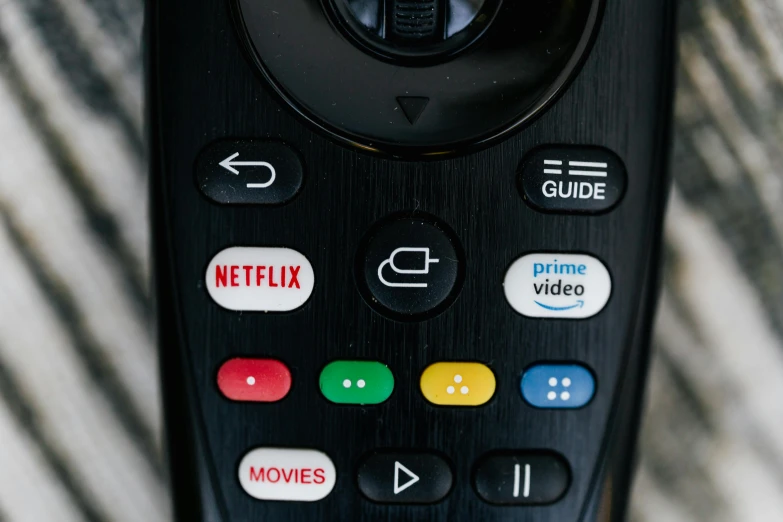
300, 475
568, 286
260, 279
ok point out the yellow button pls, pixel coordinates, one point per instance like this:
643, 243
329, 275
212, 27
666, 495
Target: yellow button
458, 384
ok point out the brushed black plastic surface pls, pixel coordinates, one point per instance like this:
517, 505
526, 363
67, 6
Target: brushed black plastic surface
203, 88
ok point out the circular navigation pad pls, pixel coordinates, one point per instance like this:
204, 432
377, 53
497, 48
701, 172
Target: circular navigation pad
520, 62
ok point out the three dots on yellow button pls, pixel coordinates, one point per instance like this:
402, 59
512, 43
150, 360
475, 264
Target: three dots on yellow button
458, 384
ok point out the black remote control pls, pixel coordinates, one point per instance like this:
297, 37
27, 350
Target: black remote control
406, 253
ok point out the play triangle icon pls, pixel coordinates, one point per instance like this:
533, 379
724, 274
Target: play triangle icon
413, 106
411, 477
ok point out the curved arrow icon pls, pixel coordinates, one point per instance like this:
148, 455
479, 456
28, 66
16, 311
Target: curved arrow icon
229, 164
579, 304
399, 488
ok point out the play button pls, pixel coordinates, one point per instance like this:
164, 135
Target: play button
404, 478
399, 487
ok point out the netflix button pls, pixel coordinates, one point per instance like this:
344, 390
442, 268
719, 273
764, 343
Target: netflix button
254, 279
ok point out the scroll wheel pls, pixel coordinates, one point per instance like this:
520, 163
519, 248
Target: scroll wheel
415, 19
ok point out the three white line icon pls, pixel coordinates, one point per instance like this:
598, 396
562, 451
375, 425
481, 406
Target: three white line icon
577, 168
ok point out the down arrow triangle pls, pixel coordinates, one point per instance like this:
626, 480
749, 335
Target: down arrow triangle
413, 106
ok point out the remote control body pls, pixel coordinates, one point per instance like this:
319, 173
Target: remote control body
335, 237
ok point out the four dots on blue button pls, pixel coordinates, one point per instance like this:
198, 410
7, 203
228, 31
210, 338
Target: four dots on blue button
565, 395
558, 386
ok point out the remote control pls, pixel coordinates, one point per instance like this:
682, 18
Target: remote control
407, 253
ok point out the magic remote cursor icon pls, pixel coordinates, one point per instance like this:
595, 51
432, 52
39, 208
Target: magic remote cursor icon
427, 261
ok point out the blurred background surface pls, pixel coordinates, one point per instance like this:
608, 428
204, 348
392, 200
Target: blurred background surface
80, 419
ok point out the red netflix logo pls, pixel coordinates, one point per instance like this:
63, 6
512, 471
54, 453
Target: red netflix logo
257, 276
260, 279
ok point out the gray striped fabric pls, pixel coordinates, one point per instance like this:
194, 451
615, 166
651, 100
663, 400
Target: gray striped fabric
80, 415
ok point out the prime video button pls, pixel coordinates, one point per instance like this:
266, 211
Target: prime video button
566, 286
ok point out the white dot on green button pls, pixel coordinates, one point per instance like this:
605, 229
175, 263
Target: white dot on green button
356, 382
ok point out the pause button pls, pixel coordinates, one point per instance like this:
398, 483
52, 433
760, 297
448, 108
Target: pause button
522, 478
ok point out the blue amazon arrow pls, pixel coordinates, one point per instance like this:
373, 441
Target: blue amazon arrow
579, 304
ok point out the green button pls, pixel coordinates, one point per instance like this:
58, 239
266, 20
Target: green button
356, 382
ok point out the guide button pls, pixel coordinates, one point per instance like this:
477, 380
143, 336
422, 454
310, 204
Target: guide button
565, 286
572, 179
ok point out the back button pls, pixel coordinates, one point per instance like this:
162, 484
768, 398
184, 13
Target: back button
249, 172
404, 478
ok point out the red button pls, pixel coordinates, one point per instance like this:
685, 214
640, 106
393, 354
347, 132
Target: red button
254, 380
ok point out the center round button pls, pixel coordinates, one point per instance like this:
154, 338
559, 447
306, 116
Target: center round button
410, 267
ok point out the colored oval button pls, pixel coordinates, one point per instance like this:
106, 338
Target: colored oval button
356, 382
558, 386
255, 279
301, 475
254, 380
458, 384
565, 286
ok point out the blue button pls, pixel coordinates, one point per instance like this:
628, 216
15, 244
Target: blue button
558, 386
